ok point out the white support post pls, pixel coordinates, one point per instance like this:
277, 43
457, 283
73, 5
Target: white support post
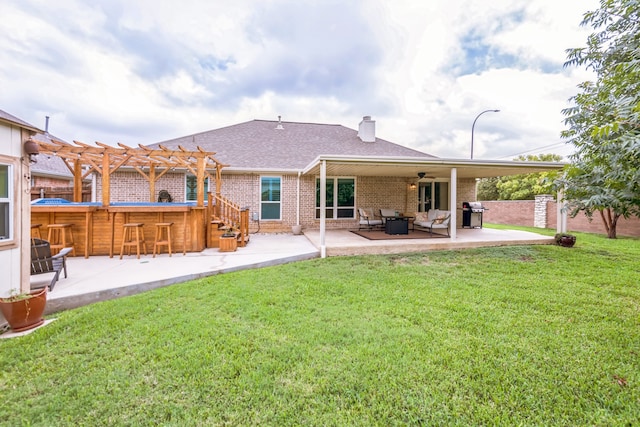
561, 215
323, 210
454, 202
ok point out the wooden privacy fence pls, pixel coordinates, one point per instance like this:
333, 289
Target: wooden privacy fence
60, 193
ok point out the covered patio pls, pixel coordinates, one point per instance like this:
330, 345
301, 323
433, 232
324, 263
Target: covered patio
459, 174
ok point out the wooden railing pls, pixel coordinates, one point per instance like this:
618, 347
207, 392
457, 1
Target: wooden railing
225, 212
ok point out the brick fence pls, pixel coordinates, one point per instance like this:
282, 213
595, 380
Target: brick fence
542, 213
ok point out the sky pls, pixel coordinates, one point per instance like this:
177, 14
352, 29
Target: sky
145, 71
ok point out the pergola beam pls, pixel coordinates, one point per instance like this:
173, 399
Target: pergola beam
106, 159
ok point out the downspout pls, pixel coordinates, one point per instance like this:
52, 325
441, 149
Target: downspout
298, 200
297, 228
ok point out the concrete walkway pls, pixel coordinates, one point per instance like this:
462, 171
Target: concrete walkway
101, 278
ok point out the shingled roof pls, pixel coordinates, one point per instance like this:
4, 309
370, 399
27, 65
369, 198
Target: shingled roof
8, 118
263, 144
48, 165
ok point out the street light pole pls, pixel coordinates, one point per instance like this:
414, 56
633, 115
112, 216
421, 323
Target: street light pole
474, 125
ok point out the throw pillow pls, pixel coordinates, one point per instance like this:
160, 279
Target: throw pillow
421, 217
440, 219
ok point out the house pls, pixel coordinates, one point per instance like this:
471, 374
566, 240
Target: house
50, 176
275, 169
15, 177
283, 172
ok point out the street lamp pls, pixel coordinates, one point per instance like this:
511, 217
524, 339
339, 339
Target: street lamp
474, 125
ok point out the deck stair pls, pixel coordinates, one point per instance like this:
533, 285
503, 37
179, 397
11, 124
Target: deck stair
225, 215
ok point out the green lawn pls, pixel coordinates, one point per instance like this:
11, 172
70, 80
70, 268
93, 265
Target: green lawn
531, 335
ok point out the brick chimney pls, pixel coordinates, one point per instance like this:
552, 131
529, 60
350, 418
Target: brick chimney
367, 129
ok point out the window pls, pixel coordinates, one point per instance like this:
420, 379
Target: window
341, 196
270, 197
6, 203
192, 188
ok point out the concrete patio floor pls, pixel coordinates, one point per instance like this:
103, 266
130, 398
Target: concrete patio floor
101, 278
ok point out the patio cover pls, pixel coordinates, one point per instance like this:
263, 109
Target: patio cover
409, 167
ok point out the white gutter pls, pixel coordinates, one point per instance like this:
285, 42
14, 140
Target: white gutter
421, 161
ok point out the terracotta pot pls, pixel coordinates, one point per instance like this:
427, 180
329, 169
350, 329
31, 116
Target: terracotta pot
26, 313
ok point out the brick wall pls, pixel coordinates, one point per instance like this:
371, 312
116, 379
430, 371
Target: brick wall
244, 190
130, 186
522, 212
514, 212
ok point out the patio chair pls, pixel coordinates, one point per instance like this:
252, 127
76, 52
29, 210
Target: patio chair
42, 262
367, 220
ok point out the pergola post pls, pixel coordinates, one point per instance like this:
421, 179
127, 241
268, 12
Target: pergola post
77, 180
152, 183
200, 182
106, 182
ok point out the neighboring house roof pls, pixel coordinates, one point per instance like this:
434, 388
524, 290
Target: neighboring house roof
265, 145
8, 118
46, 165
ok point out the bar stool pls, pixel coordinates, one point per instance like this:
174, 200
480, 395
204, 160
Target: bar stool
163, 236
58, 237
35, 231
129, 239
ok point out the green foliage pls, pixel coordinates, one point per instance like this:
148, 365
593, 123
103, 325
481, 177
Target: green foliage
526, 335
604, 120
487, 189
520, 187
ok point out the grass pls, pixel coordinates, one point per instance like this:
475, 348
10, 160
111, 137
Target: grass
529, 335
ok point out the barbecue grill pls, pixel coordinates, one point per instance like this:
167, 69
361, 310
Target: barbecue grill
472, 214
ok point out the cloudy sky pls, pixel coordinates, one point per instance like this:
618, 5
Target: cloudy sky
143, 71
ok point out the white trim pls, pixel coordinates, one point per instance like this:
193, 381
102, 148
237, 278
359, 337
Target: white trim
279, 177
10, 201
335, 207
453, 203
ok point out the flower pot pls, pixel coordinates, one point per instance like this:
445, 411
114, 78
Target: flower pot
296, 229
228, 244
24, 313
566, 240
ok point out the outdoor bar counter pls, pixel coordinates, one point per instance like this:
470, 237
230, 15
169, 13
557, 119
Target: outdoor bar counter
97, 229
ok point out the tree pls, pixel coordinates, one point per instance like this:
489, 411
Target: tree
604, 120
527, 186
487, 189
523, 186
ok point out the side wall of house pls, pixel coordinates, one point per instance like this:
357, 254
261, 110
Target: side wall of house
15, 248
131, 186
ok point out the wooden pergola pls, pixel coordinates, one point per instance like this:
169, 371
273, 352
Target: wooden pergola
152, 164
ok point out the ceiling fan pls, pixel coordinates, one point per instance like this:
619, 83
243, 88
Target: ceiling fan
422, 175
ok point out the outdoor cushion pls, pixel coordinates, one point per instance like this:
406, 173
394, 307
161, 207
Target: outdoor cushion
421, 217
439, 219
367, 219
388, 212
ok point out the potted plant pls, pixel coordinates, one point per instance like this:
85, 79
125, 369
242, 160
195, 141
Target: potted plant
228, 240
24, 311
565, 239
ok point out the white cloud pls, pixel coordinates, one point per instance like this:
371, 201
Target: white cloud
145, 71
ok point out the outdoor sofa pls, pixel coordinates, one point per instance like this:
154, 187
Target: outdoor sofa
434, 219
